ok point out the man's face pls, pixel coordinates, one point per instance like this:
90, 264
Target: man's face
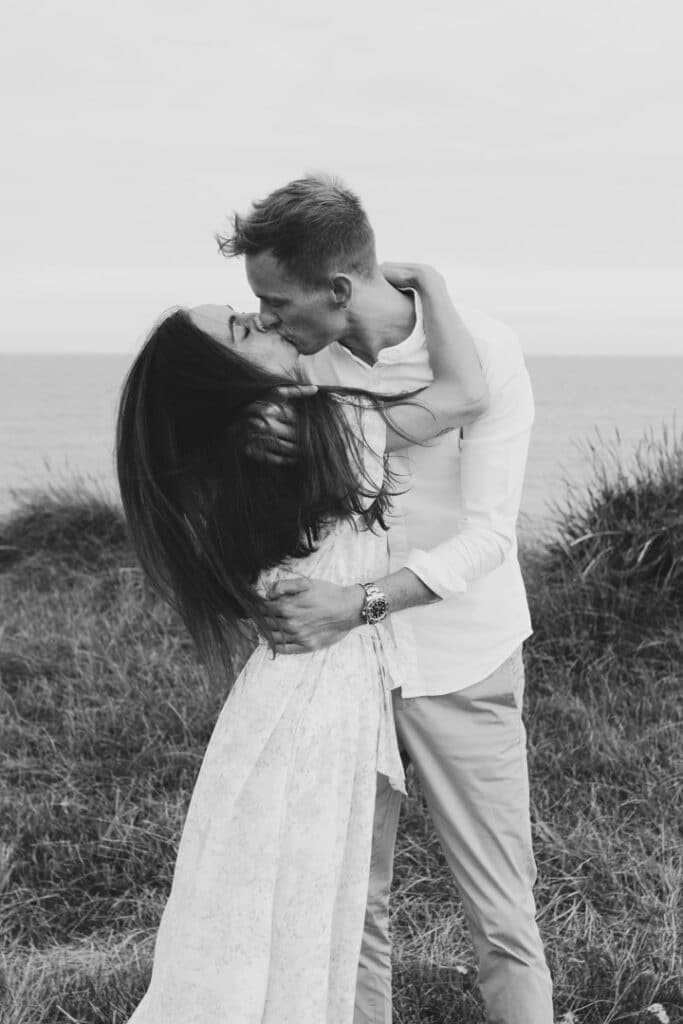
309, 318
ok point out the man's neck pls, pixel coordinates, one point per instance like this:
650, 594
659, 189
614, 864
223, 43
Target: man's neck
383, 317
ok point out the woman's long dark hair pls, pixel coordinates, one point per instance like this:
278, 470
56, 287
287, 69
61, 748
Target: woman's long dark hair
205, 517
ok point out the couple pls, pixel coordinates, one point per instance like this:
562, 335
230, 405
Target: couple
379, 407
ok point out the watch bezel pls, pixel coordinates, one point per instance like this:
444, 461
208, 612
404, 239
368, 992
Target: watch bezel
376, 607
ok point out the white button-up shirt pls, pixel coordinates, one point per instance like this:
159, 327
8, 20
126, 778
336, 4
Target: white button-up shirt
455, 525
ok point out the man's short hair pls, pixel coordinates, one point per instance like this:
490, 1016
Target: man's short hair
314, 226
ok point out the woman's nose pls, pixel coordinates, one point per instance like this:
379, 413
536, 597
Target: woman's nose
254, 322
251, 320
268, 318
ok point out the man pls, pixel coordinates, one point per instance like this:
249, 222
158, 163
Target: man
455, 591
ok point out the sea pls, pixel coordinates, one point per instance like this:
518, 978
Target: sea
57, 417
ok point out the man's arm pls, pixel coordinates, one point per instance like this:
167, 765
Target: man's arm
307, 614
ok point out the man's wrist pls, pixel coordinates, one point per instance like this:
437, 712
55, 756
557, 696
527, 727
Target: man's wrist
403, 589
429, 279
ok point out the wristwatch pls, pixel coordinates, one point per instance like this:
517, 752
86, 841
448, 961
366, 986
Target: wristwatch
376, 605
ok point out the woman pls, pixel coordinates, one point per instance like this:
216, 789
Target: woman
265, 917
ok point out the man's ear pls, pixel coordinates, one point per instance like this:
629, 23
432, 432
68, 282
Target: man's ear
342, 290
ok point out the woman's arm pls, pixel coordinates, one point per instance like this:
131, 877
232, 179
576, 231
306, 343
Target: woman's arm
458, 393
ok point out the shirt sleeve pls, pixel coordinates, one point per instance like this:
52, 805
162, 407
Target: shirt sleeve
493, 459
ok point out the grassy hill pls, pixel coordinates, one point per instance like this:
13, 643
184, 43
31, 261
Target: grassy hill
105, 714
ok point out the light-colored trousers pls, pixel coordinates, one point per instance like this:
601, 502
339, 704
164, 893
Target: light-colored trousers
469, 753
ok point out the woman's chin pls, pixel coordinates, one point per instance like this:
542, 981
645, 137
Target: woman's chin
281, 367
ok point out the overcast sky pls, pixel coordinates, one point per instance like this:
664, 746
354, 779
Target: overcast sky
532, 149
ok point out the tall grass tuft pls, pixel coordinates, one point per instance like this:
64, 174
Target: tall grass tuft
70, 528
619, 548
105, 714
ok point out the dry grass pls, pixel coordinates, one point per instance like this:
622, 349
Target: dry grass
105, 716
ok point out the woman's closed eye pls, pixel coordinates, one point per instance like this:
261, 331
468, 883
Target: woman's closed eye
243, 328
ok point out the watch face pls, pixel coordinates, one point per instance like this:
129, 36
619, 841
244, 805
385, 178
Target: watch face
376, 609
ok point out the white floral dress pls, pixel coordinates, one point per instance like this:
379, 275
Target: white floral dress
265, 917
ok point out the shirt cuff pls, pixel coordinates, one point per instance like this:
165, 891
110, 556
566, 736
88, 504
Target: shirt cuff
435, 574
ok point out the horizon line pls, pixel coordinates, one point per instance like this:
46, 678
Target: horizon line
529, 355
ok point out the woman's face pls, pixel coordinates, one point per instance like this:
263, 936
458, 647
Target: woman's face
234, 330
